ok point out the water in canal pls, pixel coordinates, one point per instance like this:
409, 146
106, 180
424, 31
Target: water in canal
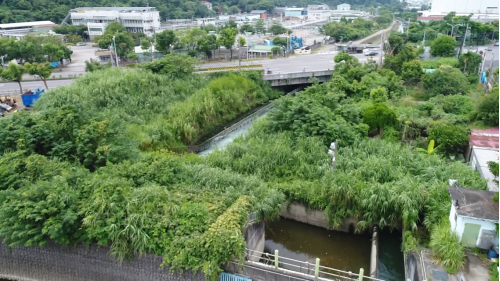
339, 250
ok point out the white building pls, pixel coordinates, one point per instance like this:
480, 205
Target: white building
483, 148
473, 216
344, 7
484, 10
20, 29
133, 19
318, 7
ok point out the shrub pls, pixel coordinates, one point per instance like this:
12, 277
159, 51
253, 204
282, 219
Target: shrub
487, 109
379, 116
436, 63
456, 104
446, 247
443, 46
452, 138
446, 80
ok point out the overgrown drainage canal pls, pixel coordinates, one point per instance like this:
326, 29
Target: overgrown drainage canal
335, 249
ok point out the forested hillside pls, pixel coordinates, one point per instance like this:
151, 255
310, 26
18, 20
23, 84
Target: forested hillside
56, 10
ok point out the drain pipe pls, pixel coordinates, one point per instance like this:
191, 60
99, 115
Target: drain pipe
374, 253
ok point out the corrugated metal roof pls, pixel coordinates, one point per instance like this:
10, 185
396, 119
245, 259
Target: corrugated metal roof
25, 24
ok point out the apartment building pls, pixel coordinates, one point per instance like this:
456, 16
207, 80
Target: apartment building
134, 19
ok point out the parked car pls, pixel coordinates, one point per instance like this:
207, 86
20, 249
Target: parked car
81, 44
496, 44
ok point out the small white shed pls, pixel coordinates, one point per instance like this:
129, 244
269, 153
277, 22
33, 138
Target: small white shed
473, 216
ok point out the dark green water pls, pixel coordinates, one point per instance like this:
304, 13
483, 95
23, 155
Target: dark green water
339, 250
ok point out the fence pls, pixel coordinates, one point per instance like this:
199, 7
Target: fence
234, 127
304, 268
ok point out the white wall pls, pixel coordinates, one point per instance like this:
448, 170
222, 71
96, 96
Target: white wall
459, 225
464, 6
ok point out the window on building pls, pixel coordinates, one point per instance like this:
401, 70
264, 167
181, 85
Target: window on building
95, 29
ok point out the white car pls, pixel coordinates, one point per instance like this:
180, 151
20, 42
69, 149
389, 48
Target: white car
81, 44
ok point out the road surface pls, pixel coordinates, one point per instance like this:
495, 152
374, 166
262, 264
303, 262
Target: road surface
296, 63
9, 87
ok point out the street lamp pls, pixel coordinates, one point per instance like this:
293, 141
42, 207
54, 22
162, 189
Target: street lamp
171, 48
452, 27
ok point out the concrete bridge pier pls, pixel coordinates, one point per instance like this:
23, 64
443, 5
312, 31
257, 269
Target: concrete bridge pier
374, 253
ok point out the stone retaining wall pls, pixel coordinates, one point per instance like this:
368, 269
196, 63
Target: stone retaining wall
60, 263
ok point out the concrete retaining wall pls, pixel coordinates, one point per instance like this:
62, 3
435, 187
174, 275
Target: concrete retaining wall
255, 236
60, 263
413, 267
297, 211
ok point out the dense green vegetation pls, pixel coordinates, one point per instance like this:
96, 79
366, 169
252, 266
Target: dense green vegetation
347, 30
94, 163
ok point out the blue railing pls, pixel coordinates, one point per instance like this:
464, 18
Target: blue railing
232, 277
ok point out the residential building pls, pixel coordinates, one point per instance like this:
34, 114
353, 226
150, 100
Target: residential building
344, 7
483, 148
262, 13
295, 12
473, 216
206, 4
484, 10
134, 19
20, 29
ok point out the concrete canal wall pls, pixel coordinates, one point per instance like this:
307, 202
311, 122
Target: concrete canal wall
255, 236
298, 212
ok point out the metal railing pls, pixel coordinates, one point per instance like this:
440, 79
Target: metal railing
305, 268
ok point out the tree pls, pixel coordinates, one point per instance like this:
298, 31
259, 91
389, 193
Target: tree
275, 49
259, 26
395, 43
412, 71
265, 5
94, 66
378, 95
452, 138
14, 73
124, 42
487, 108
241, 43
207, 44
42, 70
192, 37
228, 37
445, 80
395, 63
246, 28
282, 42
276, 28
469, 62
378, 116
164, 39
146, 46
443, 46
176, 66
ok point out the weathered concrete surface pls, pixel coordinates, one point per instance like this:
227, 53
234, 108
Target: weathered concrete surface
297, 211
476, 269
297, 77
374, 253
413, 267
55, 262
255, 236
262, 272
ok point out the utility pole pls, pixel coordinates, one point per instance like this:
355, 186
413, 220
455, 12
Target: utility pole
463, 41
116, 53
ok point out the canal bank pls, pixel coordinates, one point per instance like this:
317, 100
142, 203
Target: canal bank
335, 249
